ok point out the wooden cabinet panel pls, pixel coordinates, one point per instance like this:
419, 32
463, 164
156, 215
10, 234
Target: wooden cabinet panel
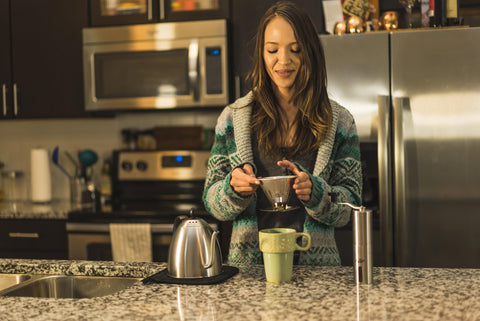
33, 239
46, 57
157, 11
5, 65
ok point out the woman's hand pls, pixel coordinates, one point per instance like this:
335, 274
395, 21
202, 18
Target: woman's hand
302, 184
244, 181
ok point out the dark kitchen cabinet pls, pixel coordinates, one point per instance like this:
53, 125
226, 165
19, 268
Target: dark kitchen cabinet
41, 58
245, 16
33, 239
124, 12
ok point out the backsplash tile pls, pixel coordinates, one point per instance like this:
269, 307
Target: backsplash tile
18, 137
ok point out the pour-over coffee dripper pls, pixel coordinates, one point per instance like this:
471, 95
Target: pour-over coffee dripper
277, 189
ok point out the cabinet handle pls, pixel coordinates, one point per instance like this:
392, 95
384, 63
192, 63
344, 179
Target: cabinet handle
15, 101
162, 9
149, 10
4, 99
24, 235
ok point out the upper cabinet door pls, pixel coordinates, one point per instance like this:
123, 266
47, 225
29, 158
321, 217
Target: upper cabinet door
5, 65
180, 10
124, 12
118, 12
46, 57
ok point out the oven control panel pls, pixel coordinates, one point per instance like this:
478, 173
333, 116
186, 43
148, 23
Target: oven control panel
162, 165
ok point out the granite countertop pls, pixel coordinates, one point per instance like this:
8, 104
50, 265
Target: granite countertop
56, 209
315, 293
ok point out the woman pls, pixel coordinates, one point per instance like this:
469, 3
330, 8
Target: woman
286, 124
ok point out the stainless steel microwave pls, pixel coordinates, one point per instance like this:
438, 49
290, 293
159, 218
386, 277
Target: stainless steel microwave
156, 66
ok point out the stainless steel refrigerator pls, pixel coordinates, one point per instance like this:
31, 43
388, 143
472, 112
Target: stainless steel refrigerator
415, 94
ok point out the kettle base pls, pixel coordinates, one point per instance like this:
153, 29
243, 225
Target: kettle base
163, 277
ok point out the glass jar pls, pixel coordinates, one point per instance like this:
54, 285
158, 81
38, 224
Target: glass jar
13, 185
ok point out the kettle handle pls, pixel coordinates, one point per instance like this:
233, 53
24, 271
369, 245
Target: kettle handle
212, 250
178, 220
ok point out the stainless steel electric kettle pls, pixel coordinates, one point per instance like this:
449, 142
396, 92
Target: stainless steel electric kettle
194, 250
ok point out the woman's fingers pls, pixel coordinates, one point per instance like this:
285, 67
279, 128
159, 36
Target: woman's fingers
302, 184
289, 165
244, 181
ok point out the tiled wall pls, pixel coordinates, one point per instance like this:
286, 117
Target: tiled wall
18, 137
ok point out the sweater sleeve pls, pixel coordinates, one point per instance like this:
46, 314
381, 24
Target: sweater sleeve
343, 175
219, 198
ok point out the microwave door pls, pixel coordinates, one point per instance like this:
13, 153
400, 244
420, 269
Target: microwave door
140, 75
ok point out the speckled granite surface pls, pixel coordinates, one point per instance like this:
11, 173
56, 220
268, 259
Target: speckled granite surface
56, 210
315, 293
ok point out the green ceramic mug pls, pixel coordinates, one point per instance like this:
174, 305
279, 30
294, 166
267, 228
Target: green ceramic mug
278, 245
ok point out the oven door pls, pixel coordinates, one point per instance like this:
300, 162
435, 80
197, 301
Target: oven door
91, 241
140, 67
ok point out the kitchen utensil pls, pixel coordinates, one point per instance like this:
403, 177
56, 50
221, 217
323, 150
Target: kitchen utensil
57, 163
74, 162
277, 189
194, 249
362, 241
87, 157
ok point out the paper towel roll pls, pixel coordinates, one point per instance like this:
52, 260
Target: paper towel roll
41, 185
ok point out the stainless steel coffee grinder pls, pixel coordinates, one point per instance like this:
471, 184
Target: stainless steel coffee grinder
362, 241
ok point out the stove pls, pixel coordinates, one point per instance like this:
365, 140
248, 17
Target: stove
148, 186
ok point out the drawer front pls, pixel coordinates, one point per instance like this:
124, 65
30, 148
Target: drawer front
33, 235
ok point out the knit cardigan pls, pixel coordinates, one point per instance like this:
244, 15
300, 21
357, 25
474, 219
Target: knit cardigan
337, 169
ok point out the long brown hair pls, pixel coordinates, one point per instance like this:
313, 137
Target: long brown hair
314, 118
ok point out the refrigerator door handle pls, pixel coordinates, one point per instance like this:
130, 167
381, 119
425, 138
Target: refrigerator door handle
401, 106
385, 178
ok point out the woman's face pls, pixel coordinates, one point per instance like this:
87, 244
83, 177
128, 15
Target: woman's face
281, 53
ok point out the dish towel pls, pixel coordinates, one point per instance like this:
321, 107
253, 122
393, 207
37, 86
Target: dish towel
131, 242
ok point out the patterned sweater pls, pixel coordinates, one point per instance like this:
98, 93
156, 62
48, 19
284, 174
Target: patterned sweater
337, 169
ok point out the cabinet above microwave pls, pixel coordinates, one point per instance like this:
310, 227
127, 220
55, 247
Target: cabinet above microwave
156, 66
127, 12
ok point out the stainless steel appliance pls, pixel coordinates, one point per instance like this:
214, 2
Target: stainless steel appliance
194, 250
147, 187
120, 12
418, 92
155, 66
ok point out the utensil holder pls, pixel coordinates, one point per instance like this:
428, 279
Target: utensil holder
83, 194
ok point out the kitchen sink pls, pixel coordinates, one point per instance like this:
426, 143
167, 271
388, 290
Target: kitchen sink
66, 286
8, 280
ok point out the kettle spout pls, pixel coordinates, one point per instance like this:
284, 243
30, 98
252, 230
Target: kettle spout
212, 250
